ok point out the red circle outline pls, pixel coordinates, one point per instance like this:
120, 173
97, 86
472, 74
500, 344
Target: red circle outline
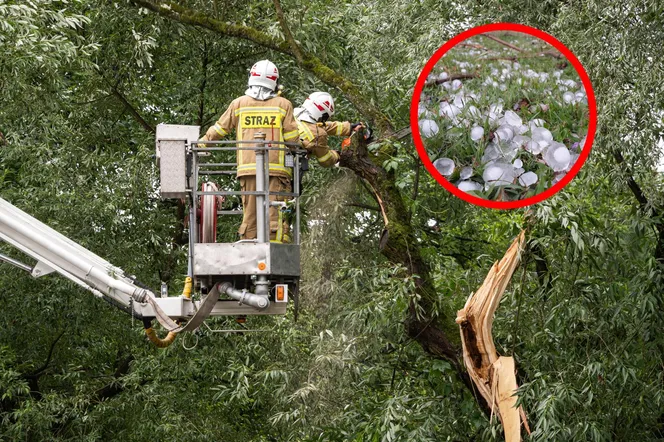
414, 116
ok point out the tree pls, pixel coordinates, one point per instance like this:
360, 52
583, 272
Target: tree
581, 318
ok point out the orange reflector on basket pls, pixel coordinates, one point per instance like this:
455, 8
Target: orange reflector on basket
281, 293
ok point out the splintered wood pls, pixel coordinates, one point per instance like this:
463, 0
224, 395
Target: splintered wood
494, 376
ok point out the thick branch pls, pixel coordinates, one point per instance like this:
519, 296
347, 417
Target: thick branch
46, 363
435, 333
309, 62
33, 377
479, 351
645, 205
115, 387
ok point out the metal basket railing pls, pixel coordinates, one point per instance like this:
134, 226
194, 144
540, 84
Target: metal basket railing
198, 167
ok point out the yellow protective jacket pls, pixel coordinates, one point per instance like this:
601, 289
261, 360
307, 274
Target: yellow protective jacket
314, 139
247, 116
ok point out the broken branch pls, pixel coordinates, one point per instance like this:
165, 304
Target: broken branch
493, 376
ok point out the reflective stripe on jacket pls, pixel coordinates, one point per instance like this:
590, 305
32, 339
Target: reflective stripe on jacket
274, 117
314, 139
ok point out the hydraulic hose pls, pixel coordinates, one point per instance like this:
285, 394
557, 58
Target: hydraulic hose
170, 337
156, 340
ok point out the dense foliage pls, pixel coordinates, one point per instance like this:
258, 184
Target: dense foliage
84, 82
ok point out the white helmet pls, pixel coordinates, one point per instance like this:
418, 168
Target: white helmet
318, 105
264, 73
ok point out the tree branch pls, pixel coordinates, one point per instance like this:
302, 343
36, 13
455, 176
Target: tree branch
416, 181
201, 88
114, 388
502, 42
33, 377
644, 204
134, 113
450, 78
310, 62
436, 334
38, 372
297, 52
631, 183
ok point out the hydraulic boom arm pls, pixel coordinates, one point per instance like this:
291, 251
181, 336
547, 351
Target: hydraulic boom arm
55, 252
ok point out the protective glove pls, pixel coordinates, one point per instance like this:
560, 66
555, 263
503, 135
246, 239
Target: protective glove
355, 126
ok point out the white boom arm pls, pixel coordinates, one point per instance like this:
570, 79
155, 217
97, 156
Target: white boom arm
55, 252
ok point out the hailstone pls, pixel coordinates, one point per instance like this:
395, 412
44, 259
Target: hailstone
557, 157
499, 173
428, 128
528, 179
469, 186
504, 133
466, 173
476, 133
445, 166
513, 119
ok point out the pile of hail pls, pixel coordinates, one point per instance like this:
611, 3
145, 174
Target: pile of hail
499, 128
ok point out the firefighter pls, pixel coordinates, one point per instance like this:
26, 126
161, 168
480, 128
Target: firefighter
314, 125
260, 109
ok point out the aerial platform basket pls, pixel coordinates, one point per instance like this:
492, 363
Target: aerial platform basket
246, 270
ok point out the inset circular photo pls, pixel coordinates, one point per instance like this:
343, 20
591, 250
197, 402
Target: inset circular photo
503, 115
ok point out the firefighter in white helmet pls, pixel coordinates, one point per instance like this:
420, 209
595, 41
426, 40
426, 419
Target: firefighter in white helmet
314, 125
260, 109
